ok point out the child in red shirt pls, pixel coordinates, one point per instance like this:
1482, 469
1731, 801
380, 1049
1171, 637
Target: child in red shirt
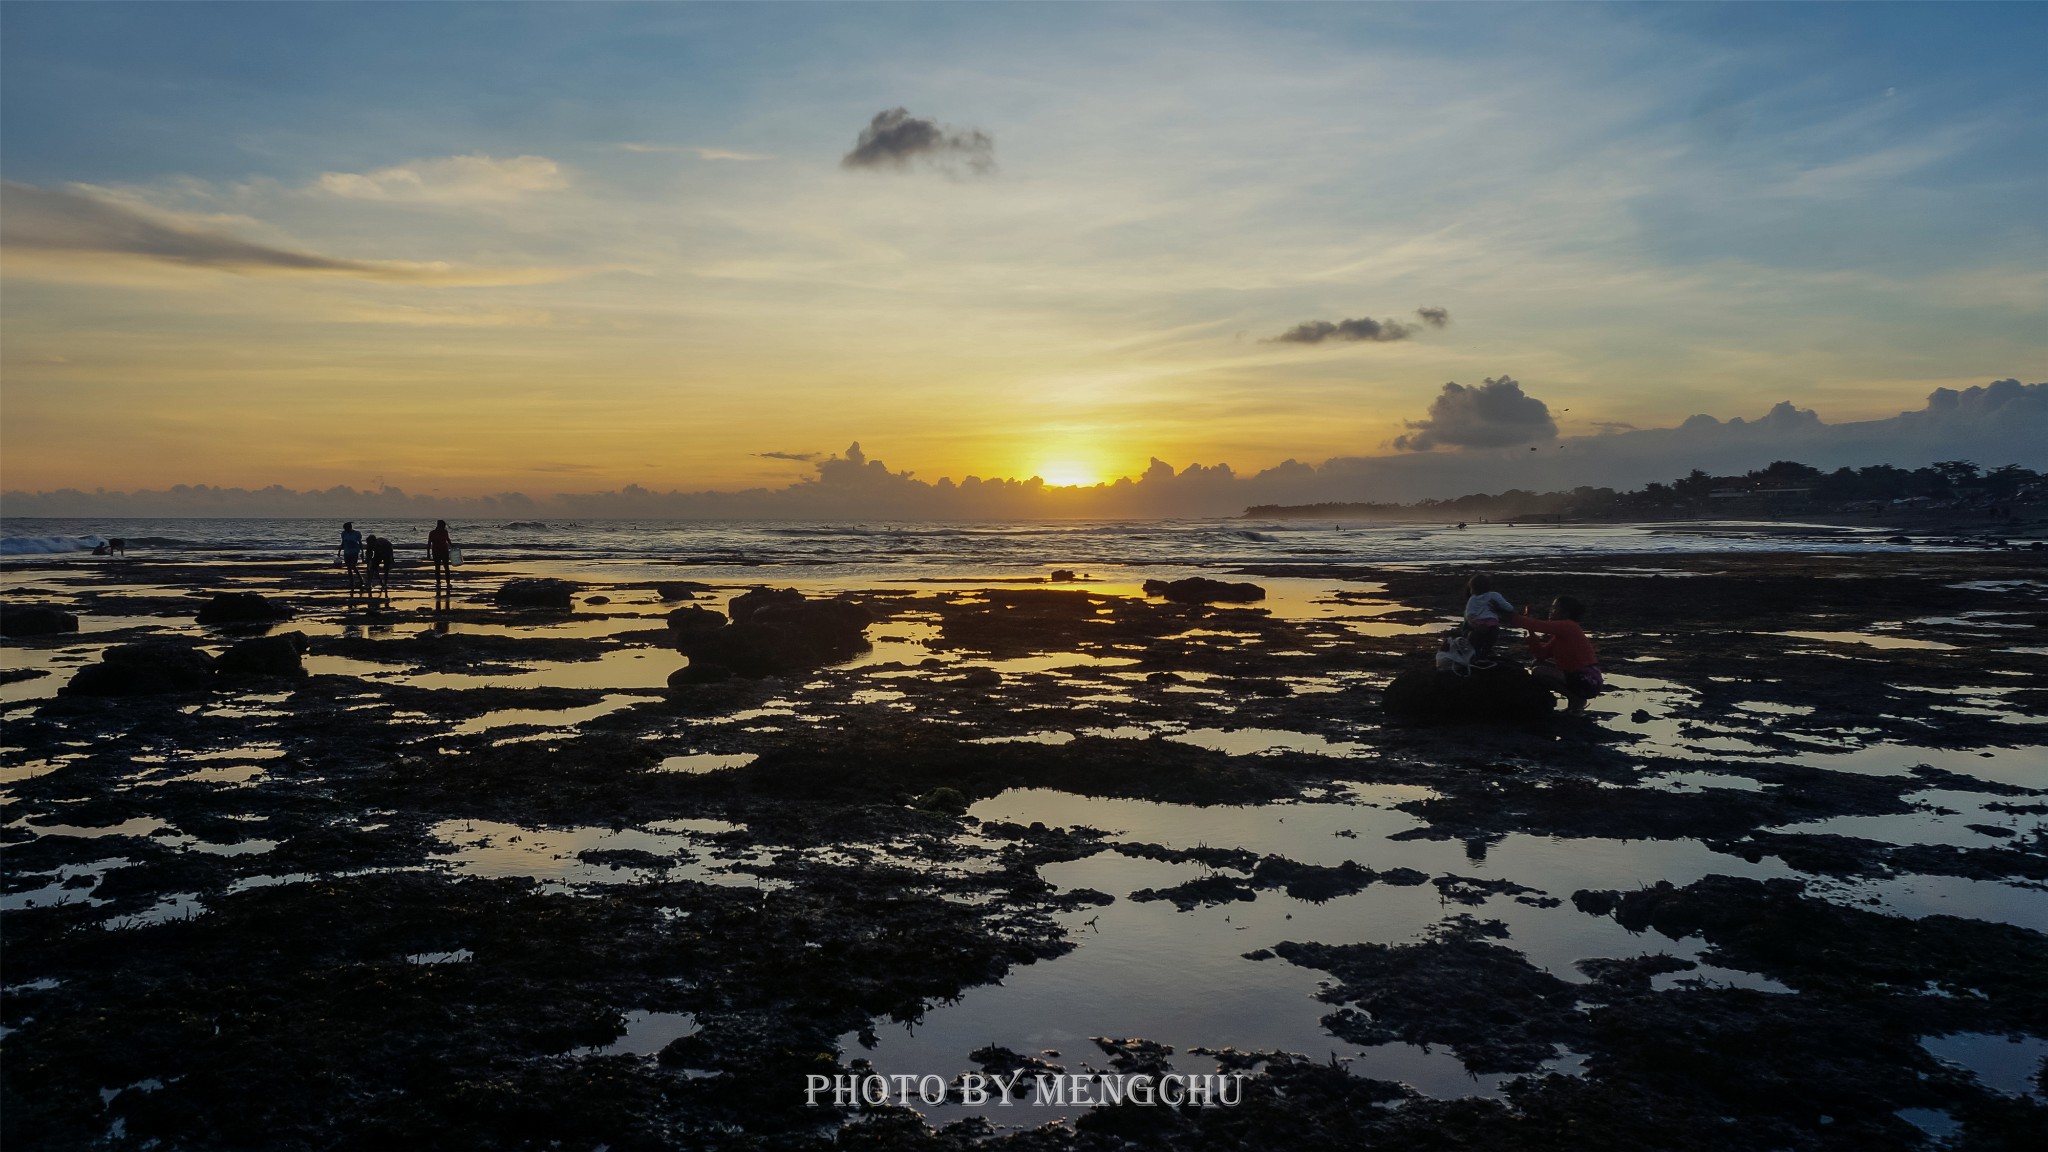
1565, 660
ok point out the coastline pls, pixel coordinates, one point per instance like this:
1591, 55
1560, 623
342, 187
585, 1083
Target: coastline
636, 912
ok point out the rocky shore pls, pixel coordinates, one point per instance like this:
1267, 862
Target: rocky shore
624, 874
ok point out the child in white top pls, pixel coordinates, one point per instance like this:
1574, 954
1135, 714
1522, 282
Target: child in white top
1485, 610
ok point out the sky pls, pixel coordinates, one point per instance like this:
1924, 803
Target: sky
471, 249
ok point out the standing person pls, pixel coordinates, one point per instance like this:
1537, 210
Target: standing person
440, 546
1565, 660
1484, 611
351, 551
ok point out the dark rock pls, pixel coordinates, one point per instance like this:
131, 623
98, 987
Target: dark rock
681, 590
1898, 539
1505, 693
242, 608
1202, 590
981, 678
536, 593
597, 599
1061, 575
690, 620
145, 668
775, 632
265, 656
746, 604
35, 620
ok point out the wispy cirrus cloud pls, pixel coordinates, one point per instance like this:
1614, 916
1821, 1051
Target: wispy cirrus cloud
475, 179
797, 457
693, 150
76, 225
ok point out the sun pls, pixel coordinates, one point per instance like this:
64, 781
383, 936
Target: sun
1068, 474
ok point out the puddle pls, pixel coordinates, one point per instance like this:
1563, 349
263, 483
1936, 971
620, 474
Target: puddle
647, 1033
1264, 741
1870, 639
565, 858
2007, 1064
544, 717
699, 762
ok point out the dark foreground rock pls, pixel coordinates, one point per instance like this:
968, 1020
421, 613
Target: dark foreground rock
774, 632
541, 592
680, 589
145, 668
690, 620
1505, 693
1202, 590
265, 656
35, 620
242, 608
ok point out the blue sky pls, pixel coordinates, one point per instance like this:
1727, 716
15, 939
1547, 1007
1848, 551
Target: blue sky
587, 232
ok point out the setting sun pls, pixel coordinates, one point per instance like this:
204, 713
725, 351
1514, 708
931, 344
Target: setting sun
1069, 474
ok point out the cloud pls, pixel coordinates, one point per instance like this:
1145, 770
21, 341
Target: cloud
699, 153
798, 457
1496, 414
1362, 330
894, 138
2003, 422
450, 180
71, 224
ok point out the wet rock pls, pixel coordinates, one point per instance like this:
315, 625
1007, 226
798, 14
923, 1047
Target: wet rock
264, 656
35, 620
774, 632
680, 589
542, 592
1483, 1000
1202, 590
981, 678
145, 668
944, 800
1504, 694
596, 600
691, 620
242, 608
1061, 576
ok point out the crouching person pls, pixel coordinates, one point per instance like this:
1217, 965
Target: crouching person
1565, 660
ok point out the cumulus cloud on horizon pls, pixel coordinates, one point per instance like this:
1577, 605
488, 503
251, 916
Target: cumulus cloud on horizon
1495, 414
2005, 422
1365, 329
895, 138
70, 223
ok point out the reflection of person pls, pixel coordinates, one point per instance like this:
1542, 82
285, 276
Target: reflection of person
440, 546
1484, 610
1565, 660
351, 551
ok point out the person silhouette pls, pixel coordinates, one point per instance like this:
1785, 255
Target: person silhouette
351, 552
441, 547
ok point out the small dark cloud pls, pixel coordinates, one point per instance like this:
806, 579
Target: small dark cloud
895, 138
1613, 426
1365, 329
1496, 414
798, 457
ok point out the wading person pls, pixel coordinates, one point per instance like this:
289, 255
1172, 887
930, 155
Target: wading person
441, 548
351, 552
1565, 660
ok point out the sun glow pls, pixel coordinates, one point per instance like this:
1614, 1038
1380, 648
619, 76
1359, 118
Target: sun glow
1068, 474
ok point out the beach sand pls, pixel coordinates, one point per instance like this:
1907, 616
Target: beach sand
481, 878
